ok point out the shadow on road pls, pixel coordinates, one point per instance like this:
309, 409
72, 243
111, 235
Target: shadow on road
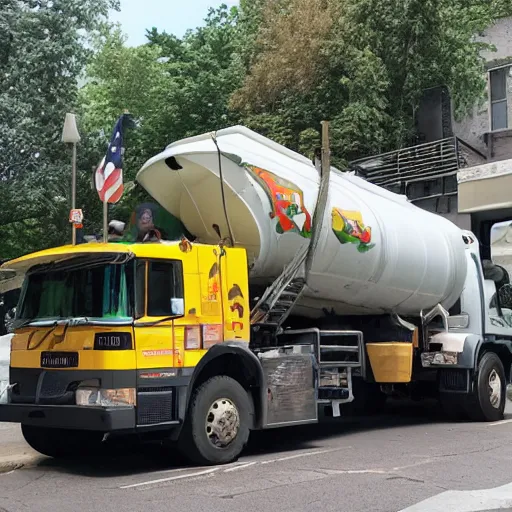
124, 458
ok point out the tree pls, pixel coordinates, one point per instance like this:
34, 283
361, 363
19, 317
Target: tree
363, 64
42, 55
173, 87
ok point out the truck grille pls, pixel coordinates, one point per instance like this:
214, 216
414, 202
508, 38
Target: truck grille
155, 405
453, 380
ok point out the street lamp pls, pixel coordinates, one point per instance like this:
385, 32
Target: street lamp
70, 135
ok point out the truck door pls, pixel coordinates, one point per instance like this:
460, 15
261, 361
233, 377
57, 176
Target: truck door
235, 295
159, 295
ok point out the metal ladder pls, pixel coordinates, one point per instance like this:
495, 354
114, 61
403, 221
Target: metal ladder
339, 392
281, 296
279, 299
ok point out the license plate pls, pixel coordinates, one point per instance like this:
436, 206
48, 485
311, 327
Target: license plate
59, 359
112, 341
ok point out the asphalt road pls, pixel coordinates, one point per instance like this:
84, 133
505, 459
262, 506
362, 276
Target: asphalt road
382, 464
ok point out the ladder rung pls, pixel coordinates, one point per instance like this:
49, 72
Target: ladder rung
337, 348
339, 364
333, 393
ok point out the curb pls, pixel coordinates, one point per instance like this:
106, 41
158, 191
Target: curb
13, 462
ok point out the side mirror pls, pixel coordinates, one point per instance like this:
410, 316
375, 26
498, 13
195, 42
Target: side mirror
177, 307
501, 245
10, 316
505, 293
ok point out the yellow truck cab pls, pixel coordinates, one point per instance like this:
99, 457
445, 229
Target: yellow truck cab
113, 338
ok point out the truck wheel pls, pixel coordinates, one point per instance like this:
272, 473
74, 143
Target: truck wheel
217, 426
487, 402
62, 443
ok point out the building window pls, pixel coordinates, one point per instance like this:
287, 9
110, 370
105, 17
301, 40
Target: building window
499, 114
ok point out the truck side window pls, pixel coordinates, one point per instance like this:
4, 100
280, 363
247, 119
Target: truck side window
140, 289
165, 282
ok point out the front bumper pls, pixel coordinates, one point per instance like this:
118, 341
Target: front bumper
101, 419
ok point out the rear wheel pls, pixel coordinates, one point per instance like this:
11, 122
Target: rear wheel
487, 402
62, 443
217, 427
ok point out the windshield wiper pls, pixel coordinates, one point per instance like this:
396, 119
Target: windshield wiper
18, 324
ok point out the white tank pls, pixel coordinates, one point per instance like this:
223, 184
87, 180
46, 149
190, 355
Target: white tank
377, 253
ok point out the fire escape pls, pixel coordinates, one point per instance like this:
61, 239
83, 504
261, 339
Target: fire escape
426, 173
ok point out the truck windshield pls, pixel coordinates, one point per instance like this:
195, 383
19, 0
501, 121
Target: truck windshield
96, 292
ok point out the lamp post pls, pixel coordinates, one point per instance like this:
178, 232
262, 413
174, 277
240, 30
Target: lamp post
70, 135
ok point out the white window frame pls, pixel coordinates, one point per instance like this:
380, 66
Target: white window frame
489, 95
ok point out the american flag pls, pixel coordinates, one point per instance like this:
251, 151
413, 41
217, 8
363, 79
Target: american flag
108, 176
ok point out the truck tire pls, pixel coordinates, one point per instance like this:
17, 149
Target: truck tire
62, 443
487, 402
217, 426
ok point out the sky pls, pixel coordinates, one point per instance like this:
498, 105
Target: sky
173, 16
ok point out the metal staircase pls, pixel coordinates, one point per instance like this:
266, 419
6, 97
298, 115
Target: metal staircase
279, 299
338, 353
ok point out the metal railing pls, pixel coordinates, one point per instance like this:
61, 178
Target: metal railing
433, 166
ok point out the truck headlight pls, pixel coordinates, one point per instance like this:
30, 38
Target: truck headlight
90, 396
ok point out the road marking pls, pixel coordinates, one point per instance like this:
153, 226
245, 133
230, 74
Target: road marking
502, 422
466, 501
242, 466
170, 479
307, 454
173, 470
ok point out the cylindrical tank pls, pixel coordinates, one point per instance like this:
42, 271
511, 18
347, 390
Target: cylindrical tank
377, 253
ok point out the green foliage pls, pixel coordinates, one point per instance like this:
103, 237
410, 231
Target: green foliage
43, 50
364, 64
279, 67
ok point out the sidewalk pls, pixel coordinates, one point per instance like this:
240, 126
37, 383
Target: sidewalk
14, 451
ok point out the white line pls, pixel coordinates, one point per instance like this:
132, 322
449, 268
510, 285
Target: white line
242, 466
502, 422
307, 454
174, 470
170, 479
8, 473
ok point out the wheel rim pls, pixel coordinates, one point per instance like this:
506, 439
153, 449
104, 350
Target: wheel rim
222, 423
495, 389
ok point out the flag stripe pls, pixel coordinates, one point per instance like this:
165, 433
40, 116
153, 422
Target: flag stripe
108, 176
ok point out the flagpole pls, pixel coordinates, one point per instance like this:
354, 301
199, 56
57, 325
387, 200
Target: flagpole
73, 191
113, 159
105, 221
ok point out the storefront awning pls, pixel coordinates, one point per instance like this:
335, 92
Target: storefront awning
485, 187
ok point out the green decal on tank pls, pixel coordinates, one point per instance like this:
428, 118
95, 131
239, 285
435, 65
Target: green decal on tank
348, 226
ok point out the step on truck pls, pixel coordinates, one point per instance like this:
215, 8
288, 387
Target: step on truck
302, 288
